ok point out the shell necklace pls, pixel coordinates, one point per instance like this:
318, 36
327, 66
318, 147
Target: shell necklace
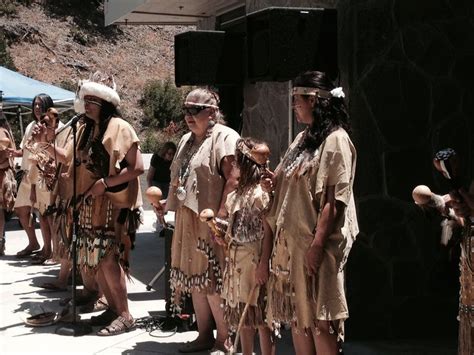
185, 169
294, 158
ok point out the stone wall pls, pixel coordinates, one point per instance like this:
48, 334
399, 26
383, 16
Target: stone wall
266, 104
406, 65
407, 70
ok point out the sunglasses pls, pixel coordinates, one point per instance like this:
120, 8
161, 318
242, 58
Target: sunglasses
193, 110
92, 102
54, 114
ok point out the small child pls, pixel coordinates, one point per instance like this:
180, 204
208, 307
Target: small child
249, 245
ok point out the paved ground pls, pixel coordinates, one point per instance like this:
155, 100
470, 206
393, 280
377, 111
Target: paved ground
20, 297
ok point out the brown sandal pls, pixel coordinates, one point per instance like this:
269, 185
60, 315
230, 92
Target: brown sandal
104, 318
118, 326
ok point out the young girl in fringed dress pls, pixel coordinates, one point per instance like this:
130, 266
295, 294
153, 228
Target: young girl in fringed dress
249, 248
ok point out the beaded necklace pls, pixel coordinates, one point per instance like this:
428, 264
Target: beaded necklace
247, 221
185, 168
294, 158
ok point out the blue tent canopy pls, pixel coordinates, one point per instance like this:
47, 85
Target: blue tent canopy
19, 90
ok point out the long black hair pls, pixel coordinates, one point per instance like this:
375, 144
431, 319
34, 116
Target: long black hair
46, 102
329, 113
107, 111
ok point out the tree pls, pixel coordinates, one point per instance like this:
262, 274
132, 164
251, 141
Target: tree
161, 103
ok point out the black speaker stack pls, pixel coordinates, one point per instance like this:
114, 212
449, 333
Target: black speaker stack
278, 44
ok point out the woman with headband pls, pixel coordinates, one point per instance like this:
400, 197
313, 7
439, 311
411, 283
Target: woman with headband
201, 178
313, 219
109, 196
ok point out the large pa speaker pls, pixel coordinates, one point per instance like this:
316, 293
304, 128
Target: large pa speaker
209, 58
283, 42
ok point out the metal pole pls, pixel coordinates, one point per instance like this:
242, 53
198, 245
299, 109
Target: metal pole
20, 119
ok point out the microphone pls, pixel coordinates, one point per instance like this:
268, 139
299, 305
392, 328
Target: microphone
71, 122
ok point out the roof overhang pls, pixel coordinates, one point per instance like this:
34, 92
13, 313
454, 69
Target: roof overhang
165, 12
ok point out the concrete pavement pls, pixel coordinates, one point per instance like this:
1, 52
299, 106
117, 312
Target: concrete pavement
21, 297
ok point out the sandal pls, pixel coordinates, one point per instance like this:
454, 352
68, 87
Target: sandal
42, 319
52, 287
39, 260
195, 346
104, 318
26, 252
96, 306
118, 326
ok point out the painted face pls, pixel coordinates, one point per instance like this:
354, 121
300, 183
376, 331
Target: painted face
303, 106
38, 108
92, 105
197, 117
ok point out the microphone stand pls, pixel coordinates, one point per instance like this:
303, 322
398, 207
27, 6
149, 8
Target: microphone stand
75, 328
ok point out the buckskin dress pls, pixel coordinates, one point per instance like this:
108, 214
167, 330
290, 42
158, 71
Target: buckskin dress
299, 196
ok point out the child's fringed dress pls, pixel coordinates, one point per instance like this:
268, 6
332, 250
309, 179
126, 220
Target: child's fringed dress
244, 236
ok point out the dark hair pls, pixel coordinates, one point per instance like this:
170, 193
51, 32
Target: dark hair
107, 111
250, 171
46, 102
167, 146
329, 113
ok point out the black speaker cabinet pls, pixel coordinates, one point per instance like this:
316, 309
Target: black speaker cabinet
209, 58
283, 42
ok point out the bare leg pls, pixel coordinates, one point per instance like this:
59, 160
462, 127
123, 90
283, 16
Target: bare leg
46, 234
247, 335
303, 342
326, 343
2, 231
267, 347
23, 214
89, 281
64, 272
111, 278
2, 222
215, 301
203, 318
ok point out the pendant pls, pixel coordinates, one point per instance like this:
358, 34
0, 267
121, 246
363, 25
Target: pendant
181, 193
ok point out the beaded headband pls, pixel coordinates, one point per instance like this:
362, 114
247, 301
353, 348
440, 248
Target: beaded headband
198, 104
300, 90
258, 154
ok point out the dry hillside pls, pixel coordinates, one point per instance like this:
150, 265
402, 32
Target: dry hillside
56, 49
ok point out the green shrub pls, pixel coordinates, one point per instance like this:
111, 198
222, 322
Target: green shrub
8, 8
155, 139
161, 103
5, 57
67, 84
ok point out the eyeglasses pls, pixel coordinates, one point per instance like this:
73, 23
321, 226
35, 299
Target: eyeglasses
92, 102
193, 110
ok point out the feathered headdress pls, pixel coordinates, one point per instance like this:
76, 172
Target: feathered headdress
100, 85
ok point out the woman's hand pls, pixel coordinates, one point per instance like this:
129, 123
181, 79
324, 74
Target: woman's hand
464, 206
262, 273
267, 181
218, 240
313, 259
98, 189
13, 153
159, 209
39, 132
